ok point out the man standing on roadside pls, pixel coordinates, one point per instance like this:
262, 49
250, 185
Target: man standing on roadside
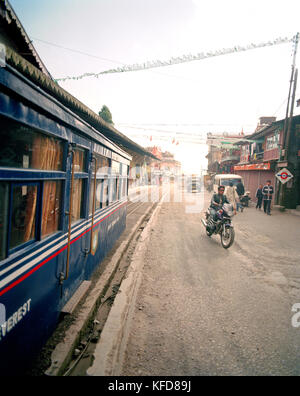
240, 189
268, 192
259, 195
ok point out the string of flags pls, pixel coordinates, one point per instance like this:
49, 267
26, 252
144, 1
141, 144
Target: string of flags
181, 59
174, 141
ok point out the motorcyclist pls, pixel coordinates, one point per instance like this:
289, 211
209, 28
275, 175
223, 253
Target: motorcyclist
217, 202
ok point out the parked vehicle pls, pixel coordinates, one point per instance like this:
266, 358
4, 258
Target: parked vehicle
221, 226
225, 179
194, 183
245, 199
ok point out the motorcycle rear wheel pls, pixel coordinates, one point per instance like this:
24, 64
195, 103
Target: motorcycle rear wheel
228, 238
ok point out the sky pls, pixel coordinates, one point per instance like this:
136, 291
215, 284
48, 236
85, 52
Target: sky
221, 94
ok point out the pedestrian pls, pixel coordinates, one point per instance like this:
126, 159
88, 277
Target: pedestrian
240, 189
232, 196
259, 195
268, 192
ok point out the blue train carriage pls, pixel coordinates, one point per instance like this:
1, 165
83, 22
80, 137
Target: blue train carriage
63, 196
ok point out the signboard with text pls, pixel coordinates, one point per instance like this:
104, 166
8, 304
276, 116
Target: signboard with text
260, 166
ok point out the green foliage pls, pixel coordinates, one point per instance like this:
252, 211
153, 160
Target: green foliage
105, 114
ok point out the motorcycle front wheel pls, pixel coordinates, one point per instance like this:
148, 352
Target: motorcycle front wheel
227, 237
208, 233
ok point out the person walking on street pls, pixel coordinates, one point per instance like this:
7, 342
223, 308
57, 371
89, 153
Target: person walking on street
232, 196
259, 195
240, 189
268, 192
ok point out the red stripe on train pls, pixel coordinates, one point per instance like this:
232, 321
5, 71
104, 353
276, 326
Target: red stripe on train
12, 285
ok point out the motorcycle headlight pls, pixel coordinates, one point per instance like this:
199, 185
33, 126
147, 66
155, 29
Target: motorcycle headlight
228, 209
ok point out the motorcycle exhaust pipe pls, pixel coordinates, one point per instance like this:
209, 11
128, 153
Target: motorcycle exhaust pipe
204, 223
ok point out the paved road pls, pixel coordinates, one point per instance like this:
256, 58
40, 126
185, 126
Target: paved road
204, 310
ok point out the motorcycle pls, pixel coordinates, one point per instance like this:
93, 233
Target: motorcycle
221, 226
244, 200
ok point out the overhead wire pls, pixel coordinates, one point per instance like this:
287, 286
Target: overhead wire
155, 64
108, 60
181, 59
78, 51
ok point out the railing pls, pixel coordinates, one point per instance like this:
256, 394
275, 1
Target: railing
271, 154
257, 156
244, 159
230, 158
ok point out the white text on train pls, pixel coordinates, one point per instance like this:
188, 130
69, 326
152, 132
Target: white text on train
14, 319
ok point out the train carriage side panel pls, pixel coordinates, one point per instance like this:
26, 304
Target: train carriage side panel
35, 186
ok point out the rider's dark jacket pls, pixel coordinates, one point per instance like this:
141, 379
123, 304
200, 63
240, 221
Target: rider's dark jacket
219, 199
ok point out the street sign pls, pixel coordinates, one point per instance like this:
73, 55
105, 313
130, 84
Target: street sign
282, 164
284, 175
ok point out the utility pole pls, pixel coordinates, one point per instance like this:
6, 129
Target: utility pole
288, 110
288, 119
288, 133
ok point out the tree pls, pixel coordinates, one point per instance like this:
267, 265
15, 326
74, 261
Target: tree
106, 114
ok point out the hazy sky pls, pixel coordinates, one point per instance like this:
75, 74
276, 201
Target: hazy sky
219, 94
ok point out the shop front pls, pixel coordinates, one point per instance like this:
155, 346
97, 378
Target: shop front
254, 175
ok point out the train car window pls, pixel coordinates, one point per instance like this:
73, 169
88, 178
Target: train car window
123, 180
101, 183
23, 214
114, 189
24, 147
115, 181
101, 194
124, 188
98, 197
124, 170
78, 200
102, 164
117, 184
80, 181
115, 167
51, 207
79, 160
4, 199
105, 193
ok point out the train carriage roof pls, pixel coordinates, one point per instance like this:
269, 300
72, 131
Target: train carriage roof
51, 87
14, 35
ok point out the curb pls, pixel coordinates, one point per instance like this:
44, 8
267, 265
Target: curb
294, 212
282, 209
110, 350
63, 352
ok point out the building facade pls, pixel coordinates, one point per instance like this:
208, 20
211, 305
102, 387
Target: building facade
265, 154
223, 152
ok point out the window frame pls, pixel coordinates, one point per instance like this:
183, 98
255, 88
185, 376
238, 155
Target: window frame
30, 176
272, 141
80, 175
12, 182
37, 229
105, 182
62, 206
